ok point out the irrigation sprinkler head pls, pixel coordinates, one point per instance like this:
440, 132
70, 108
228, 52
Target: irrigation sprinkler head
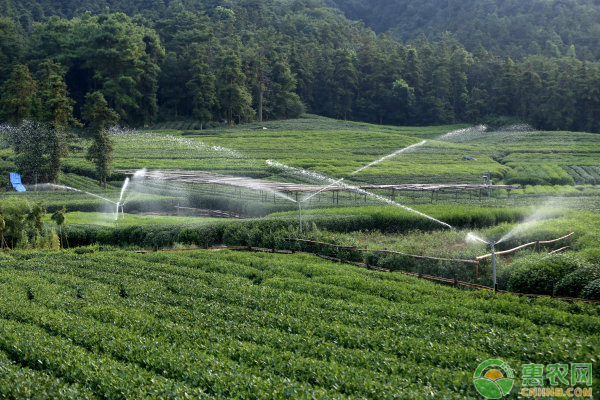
493, 244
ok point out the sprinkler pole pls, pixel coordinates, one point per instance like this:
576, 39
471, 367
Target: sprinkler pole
300, 215
494, 266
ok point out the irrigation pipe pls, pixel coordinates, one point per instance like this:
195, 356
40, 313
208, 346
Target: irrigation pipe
498, 253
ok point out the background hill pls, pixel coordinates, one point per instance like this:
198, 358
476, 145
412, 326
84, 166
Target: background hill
511, 28
255, 60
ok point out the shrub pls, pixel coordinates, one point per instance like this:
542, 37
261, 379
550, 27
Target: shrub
545, 174
592, 290
572, 284
539, 274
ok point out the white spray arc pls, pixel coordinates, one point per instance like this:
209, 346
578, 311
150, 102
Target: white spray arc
48, 186
391, 155
119, 203
340, 183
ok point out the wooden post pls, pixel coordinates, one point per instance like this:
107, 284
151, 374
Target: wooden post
537, 246
477, 272
432, 192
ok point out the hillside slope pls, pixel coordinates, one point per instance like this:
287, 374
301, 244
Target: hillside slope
514, 27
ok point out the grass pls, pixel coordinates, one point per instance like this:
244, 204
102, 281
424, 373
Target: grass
227, 325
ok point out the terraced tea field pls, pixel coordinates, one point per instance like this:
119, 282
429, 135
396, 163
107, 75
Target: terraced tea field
218, 325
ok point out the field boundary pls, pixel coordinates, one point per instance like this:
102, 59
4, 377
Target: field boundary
453, 282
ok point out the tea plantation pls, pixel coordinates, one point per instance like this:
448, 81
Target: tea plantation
201, 324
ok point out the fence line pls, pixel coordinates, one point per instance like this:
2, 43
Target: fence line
375, 268
383, 251
536, 243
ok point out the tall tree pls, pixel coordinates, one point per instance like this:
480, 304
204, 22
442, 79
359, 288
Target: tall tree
11, 46
344, 83
232, 94
201, 87
18, 95
56, 109
285, 103
98, 116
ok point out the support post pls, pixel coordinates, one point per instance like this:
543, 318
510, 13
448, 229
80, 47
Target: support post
300, 215
494, 267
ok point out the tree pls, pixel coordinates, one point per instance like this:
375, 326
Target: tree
59, 219
11, 46
202, 89
56, 109
33, 146
18, 95
232, 94
98, 117
285, 103
344, 83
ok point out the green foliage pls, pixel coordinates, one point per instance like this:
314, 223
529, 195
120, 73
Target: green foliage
191, 65
232, 95
573, 284
21, 225
507, 28
592, 290
11, 46
302, 327
17, 95
38, 150
540, 274
546, 174
98, 117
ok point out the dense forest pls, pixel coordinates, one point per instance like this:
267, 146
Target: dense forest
234, 61
512, 28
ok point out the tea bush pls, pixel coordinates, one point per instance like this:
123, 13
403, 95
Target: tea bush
220, 325
540, 274
573, 284
592, 290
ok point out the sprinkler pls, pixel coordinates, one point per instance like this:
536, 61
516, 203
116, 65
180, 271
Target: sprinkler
493, 244
300, 214
117, 215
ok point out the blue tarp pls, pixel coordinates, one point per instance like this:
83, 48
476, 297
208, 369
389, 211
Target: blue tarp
469, 158
15, 180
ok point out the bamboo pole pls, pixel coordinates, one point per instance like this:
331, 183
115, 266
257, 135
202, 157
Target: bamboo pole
498, 253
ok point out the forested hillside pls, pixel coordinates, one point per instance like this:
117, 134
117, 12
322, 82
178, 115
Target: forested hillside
513, 28
236, 61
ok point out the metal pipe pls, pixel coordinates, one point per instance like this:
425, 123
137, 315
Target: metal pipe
300, 214
493, 244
